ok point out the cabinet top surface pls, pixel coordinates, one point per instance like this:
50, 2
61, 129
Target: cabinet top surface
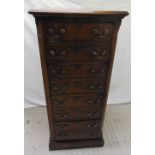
77, 12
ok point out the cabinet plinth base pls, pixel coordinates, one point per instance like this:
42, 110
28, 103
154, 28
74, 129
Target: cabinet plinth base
75, 144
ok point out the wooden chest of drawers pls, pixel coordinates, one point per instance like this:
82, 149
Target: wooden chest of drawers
77, 52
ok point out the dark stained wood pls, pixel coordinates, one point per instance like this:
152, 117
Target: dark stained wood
77, 113
77, 100
76, 70
77, 51
90, 52
74, 86
53, 145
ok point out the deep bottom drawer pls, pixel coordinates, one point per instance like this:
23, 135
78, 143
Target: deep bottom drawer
77, 130
77, 135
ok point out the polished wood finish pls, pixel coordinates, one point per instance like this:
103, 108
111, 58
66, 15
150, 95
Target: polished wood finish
77, 50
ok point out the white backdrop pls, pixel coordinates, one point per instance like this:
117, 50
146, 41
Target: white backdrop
120, 82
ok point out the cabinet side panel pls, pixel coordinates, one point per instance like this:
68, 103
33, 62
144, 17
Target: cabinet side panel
41, 40
110, 66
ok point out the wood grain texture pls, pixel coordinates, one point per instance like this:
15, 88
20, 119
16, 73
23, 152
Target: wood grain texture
77, 52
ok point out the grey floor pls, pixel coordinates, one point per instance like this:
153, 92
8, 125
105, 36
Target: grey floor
116, 133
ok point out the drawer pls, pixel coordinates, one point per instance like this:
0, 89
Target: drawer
77, 53
76, 126
76, 113
77, 135
58, 31
60, 87
77, 70
77, 101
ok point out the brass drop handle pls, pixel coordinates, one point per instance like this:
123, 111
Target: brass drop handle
94, 53
103, 53
51, 31
63, 88
102, 70
52, 52
92, 125
93, 71
62, 115
96, 31
90, 101
100, 86
63, 72
61, 103
55, 87
63, 53
98, 101
62, 31
106, 31
61, 126
92, 87
54, 72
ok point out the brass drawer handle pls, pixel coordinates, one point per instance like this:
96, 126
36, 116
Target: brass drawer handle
100, 34
61, 115
92, 71
106, 31
92, 125
96, 101
63, 53
61, 126
100, 86
51, 31
92, 87
59, 72
55, 87
96, 31
54, 71
63, 71
103, 53
64, 88
94, 53
59, 89
60, 103
62, 31
90, 135
90, 101
52, 52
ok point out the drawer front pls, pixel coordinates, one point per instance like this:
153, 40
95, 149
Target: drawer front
77, 101
60, 87
58, 31
76, 113
76, 126
77, 53
77, 135
76, 70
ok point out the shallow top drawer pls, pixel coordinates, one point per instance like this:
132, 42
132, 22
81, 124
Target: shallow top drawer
70, 31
